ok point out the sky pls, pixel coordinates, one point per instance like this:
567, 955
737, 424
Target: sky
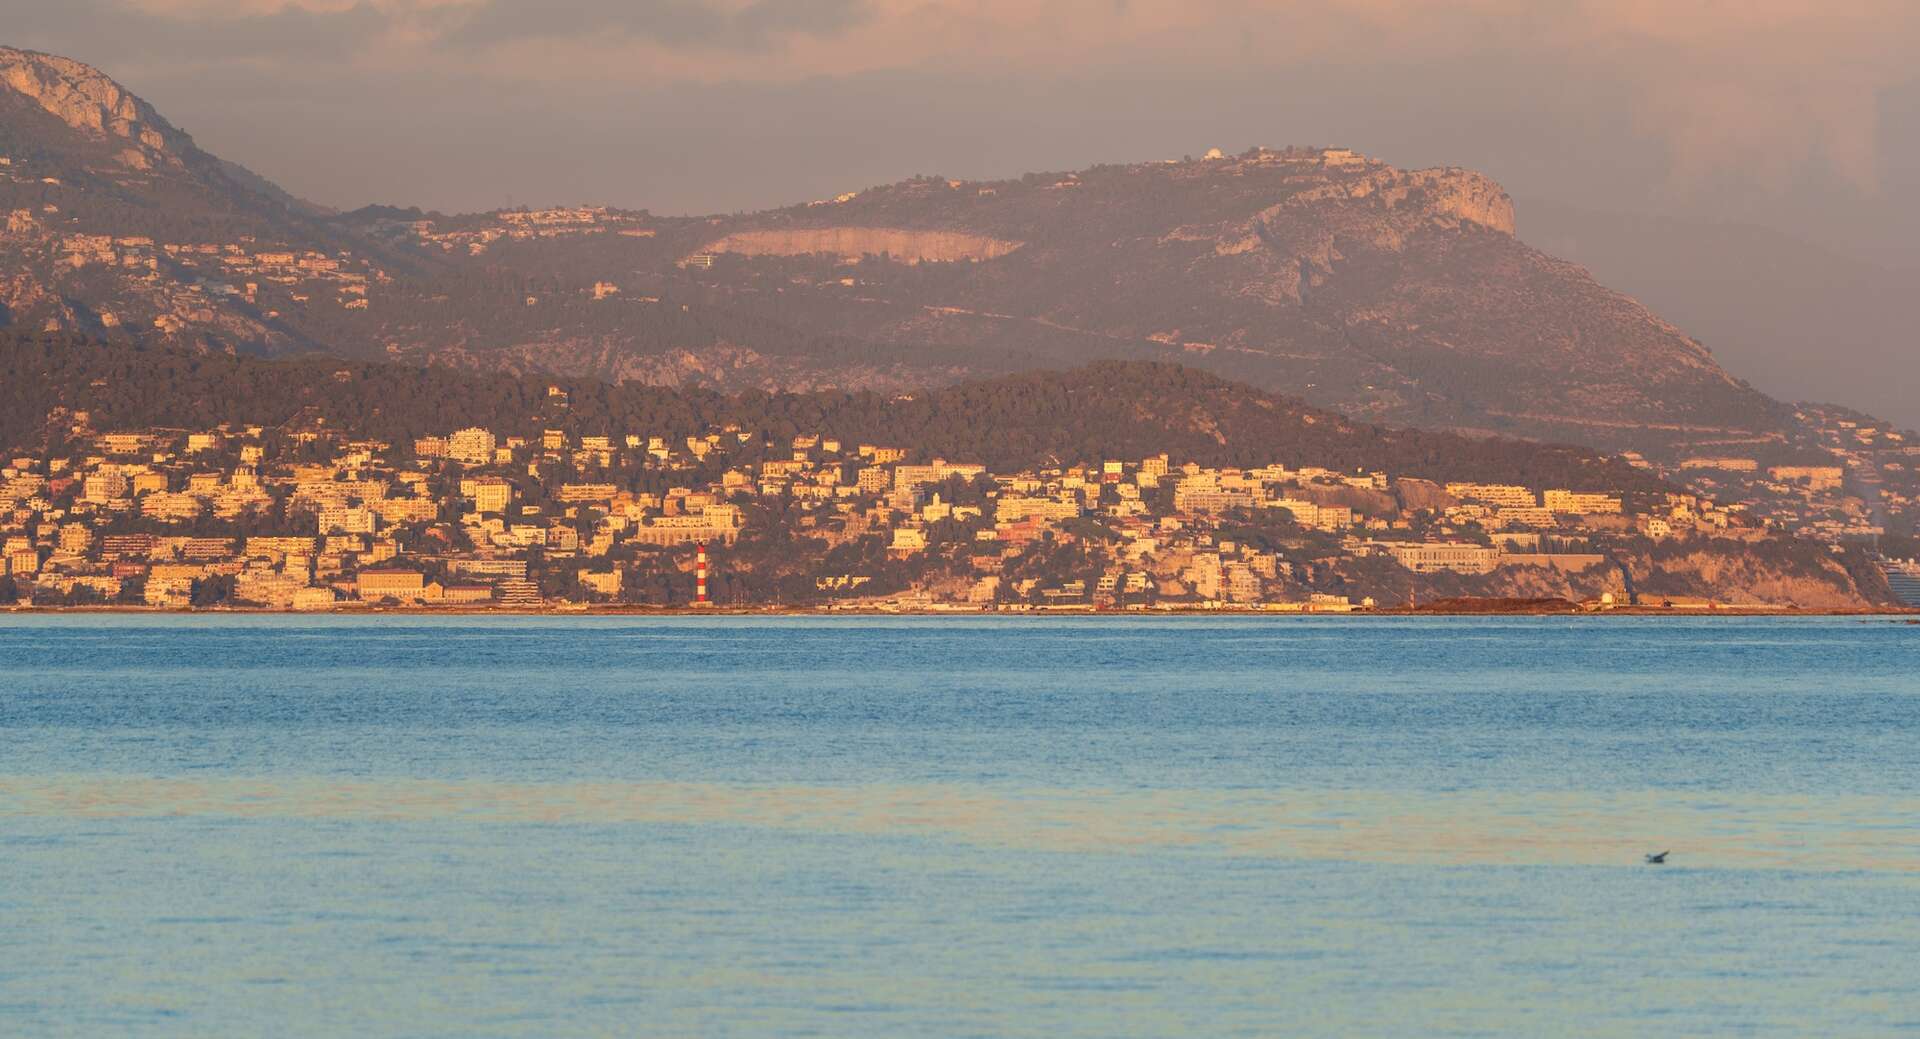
1627, 125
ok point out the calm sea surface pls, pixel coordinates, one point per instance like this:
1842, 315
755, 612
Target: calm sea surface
968, 827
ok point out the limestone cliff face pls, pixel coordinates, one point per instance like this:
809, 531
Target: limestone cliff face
1742, 572
1463, 195
1292, 246
86, 100
1727, 571
1448, 197
904, 246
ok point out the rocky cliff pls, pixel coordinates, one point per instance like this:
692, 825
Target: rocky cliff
898, 244
87, 100
113, 223
1776, 572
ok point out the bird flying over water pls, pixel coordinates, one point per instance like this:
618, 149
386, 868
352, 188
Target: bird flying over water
1657, 860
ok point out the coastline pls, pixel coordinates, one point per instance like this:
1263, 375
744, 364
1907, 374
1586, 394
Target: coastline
583, 610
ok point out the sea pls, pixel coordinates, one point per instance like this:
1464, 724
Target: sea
251, 825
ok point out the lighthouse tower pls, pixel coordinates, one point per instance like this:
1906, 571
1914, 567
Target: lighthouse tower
700, 576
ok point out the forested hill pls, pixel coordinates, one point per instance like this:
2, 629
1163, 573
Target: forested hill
1107, 410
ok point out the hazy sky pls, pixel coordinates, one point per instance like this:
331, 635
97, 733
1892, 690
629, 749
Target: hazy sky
718, 104
1801, 116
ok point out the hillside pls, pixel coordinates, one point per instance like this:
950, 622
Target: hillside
117, 224
1758, 296
1391, 295
1106, 410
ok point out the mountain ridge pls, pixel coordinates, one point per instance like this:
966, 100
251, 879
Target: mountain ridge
93, 104
1396, 296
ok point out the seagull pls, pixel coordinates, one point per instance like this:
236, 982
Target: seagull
1657, 860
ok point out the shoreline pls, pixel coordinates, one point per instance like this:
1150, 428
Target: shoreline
1909, 612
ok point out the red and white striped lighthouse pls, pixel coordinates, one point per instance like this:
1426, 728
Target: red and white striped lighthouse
700, 576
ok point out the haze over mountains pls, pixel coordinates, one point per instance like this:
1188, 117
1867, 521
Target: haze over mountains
1762, 299
1393, 295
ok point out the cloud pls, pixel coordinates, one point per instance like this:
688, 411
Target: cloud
1756, 89
750, 27
108, 32
1757, 93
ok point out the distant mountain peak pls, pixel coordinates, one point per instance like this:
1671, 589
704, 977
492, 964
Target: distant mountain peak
1401, 202
89, 101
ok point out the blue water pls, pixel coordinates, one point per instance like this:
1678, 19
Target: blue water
854, 827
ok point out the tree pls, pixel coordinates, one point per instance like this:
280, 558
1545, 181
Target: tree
210, 591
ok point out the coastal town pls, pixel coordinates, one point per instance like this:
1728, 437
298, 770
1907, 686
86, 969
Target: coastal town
311, 519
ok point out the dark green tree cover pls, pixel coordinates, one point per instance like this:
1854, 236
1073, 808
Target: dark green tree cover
211, 591
1900, 546
1108, 410
1268, 530
1052, 561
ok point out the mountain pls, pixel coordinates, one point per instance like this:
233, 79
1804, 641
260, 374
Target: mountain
1387, 294
62, 118
1760, 296
1391, 295
107, 205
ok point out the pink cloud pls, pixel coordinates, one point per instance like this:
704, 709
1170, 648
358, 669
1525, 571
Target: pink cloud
1759, 90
